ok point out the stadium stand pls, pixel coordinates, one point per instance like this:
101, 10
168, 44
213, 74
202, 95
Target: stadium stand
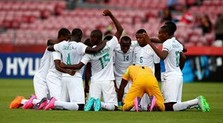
30, 22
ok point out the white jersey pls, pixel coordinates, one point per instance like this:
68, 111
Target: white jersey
145, 56
102, 62
44, 66
72, 53
54, 56
122, 60
172, 60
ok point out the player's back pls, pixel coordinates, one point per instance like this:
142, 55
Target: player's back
44, 65
102, 61
52, 69
72, 52
137, 72
173, 58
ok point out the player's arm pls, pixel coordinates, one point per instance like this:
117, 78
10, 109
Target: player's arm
155, 40
116, 87
87, 78
51, 42
50, 48
63, 70
57, 61
116, 22
73, 67
184, 47
99, 47
182, 60
121, 89
86, 58
162, 54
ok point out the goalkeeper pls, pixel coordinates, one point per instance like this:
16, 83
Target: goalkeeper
143, 81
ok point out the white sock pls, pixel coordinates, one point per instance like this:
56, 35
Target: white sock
24, 101
144, 102
184, 105
108, 106
66, 105
36, 101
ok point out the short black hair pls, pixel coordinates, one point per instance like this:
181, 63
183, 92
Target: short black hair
108, 37
126, 38
88, 42
141, 31
77, 32
171, 27
63, 32
97, 33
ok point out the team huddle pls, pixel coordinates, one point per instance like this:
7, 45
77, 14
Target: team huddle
122, 73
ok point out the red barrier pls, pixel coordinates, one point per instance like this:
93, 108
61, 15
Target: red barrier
193, 50
210, 51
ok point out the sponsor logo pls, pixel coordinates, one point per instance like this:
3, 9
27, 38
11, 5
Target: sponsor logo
21, 66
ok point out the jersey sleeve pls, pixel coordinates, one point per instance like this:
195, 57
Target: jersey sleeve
58, 47
126, 74
86, 58
156, 58
114, 56
181, 47
56, 55
113, 42
167, 46
81, 48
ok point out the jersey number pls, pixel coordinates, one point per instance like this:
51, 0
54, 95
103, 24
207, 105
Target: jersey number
141, 59
104, 60
126, 58
177, 58
68, 59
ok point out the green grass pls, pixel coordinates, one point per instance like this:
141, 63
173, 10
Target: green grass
9, 88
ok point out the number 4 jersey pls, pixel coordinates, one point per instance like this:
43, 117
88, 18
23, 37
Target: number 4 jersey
102, 62
72, 52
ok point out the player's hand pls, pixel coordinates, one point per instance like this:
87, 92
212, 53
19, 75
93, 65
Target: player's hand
147, 38
106, 12
51, 41
71, 72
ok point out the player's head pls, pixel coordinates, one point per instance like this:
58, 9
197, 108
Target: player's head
88, 42
125, 43
63, 34
107, 37
167, 31
172, 26
96, 37
76, 35
139, 37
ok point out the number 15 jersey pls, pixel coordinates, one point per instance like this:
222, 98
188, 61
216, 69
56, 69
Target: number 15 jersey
102, 62
172, 61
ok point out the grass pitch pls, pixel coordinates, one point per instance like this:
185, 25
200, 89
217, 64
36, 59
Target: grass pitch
9, 88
